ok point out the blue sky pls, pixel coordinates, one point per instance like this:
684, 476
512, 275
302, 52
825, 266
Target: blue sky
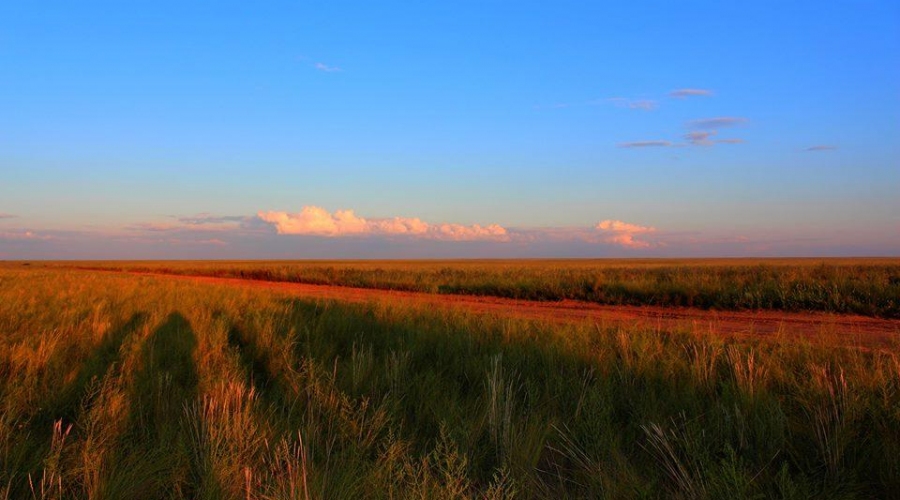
128, 129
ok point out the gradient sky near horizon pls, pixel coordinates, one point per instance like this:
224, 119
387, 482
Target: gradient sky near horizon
459, 129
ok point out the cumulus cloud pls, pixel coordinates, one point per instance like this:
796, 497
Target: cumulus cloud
685, 93
316, 221
645, 144
716, 123
458, 232
822, 147
326, 68
623, 233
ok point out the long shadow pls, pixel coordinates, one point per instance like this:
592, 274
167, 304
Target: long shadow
65, 404
167, 379
256, 363
94, 367
155, 453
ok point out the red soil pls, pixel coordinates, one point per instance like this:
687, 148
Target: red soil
780, 325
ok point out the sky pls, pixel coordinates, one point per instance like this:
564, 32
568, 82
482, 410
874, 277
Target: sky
163, 129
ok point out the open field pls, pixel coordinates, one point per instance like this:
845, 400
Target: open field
868, 287
819, 327
118, 385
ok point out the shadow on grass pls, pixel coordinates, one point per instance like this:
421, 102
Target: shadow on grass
95, 367
167, 379
154, 457
66, 404
257, 365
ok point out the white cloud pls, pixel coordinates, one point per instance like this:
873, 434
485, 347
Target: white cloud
317, 221
623, 233
822, 147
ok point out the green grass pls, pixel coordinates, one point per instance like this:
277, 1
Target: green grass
861, 286
124, 386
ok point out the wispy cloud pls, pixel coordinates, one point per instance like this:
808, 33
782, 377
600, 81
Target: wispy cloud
152, 226
822, 147
326, 68
4, 215
24, 235
685, 93
621, 102
205, 219
701, 137
210, 241
641, 104
645, 144
716, 123
317, 221
203, 223
729, 141
623, 233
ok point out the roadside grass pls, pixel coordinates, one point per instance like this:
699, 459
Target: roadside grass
868, 287
122, 386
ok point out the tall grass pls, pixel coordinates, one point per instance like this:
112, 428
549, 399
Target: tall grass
132, 387
861, 286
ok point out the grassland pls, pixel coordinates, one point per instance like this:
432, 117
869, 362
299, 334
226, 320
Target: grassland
860, 286
129, 386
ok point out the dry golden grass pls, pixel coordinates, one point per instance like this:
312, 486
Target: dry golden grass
866, 286
126, 386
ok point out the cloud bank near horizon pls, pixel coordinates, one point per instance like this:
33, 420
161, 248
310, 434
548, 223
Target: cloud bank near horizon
315, 232
316, 221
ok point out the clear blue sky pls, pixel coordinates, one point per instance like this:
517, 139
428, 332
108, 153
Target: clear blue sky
122, 122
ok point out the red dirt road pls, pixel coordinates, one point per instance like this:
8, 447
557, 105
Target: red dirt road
846, 329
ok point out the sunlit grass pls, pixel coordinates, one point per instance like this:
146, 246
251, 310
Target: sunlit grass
861, 286
122, 386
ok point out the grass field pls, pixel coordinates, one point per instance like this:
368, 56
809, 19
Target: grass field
130, 386
861, 286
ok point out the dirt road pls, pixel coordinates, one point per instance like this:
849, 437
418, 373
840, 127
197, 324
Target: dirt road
848, 329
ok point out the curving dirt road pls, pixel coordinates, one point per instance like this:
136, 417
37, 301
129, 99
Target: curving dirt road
831, 328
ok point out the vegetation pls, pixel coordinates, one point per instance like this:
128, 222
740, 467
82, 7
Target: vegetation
124, 386
860, 286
